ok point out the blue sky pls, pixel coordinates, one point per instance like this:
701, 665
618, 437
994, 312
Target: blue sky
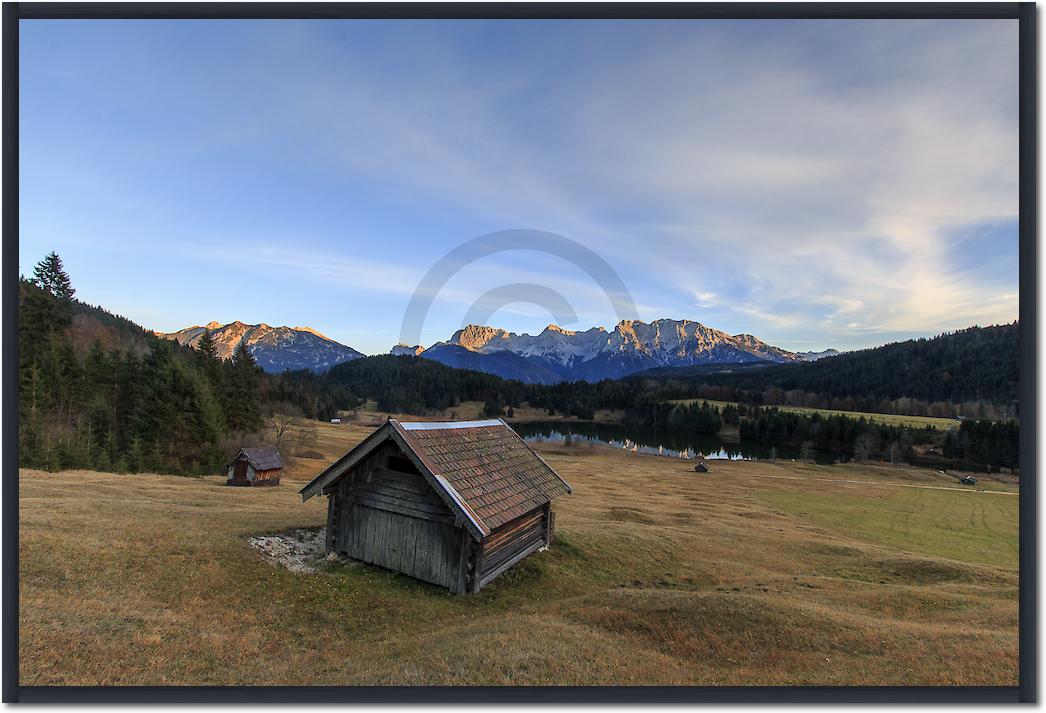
815, 183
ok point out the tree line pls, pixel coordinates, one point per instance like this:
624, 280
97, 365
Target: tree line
146, 403
407, 384
992, 443
971, 373
857, 438
159, 407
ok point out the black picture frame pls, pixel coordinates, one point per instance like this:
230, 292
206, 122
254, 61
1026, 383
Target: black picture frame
1024, 12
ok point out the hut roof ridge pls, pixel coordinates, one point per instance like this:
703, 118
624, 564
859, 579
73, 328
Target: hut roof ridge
446, 425
488, 471
264, 458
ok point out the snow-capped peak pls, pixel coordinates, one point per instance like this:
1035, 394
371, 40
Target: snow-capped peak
663, 342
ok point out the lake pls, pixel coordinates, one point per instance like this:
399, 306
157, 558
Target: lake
671, 444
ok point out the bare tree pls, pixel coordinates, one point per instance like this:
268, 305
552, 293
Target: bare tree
305, 435
865, 444
289, 429
894, 451
280, 423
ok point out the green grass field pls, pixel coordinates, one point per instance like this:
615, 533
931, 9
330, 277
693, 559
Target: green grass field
885, 418
972, 527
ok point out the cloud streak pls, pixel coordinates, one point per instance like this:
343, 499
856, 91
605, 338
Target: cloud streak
832, 183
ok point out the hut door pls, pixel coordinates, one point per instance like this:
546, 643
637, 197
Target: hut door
239, 473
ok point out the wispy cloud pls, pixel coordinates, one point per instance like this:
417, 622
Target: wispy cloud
809, 182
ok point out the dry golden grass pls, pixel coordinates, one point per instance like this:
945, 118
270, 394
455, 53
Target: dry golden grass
750, 574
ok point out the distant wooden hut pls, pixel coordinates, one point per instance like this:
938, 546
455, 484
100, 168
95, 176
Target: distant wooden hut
451, 503
255, 466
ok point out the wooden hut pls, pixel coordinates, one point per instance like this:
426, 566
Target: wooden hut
451, 503
255, 466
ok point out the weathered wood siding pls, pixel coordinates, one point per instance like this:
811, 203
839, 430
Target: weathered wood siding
392, 518
510, 543
385, 513
245, 475
252, 476
266, 477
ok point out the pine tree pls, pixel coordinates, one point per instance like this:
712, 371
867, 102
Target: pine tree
208, 362
243, 401
127, 401
135, 456
205, 347
241, 357
41, 318
51, 276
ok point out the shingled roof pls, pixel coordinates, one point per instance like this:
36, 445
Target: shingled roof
483, 468
261, 458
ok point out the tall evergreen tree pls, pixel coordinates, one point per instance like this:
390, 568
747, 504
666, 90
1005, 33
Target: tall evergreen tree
243, 401
205, 346
41, 317
50, 275
210, 368
209, 363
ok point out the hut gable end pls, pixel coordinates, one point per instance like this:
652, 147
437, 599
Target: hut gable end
391, 482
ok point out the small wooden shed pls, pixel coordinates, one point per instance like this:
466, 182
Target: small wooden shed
451, 503
255, 466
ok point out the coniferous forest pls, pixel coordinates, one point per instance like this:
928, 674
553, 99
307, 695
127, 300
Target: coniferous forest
975, 367
98, 391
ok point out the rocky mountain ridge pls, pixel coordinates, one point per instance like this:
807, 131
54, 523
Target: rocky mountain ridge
558, 354
276, 349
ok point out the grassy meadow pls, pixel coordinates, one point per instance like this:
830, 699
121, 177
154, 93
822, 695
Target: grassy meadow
753, 573
888, 419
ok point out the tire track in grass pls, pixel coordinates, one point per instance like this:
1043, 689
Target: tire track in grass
1006, 516
882, 482
983, 510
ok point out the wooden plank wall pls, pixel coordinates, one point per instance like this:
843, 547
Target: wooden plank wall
272, 474
511, 542
395, 520
429, 551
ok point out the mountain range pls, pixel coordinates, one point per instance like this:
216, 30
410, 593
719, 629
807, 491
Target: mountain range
557, 354
276, 349
554, 355
815, 356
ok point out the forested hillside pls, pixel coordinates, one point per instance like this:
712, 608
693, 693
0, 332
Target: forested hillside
97, 390
970, 373
975, 364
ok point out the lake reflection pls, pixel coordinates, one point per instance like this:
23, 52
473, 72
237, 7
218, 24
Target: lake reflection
670, 444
